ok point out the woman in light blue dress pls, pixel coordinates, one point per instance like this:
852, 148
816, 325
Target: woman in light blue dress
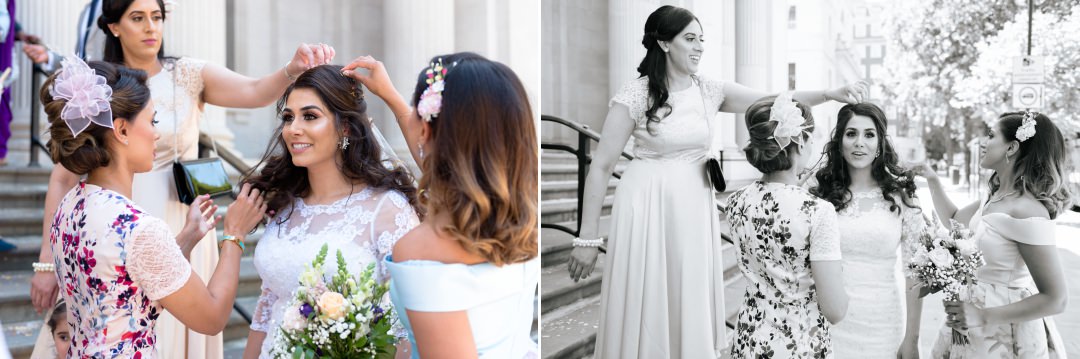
464, 281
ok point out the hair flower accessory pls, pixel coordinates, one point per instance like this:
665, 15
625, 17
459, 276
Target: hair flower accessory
789, 120
431, 100
1027, 128
87, 95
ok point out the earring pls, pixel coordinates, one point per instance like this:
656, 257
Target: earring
125, 142
344, 143
115, 35
421, 152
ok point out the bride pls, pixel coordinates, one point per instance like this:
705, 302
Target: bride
877, 213
325, 179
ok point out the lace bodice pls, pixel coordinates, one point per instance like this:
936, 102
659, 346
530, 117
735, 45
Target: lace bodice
114, 263
177, 94
364, 226
871, 234
685, 134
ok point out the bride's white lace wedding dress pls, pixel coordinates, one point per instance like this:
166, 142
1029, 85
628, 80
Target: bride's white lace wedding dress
872, 238
364, 226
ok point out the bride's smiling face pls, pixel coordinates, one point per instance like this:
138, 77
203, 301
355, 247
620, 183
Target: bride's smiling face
860, 142
308, 130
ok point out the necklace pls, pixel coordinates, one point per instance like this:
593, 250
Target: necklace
992, 199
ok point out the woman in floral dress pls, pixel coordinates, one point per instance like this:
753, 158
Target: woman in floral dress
787, 243
117, 266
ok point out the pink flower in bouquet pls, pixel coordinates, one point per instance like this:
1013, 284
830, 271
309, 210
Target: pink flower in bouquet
293, 319
332, 305
941, 257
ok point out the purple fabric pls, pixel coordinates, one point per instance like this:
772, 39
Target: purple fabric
5, 100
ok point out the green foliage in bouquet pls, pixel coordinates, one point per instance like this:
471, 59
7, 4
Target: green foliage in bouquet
343, 316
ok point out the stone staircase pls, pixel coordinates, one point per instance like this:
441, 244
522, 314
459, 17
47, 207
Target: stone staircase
22, 198
571, 311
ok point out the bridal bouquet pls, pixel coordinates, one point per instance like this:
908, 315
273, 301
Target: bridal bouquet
340, 317
946, 260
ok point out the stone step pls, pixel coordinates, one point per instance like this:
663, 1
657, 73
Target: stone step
568, 189
570, 332
568, 172
21, 221
18, 173
21, 336
565, 210
15, 305
14, 196
28, 247
559, 290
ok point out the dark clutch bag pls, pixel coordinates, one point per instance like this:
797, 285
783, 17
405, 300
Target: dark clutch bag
716, 175
198, 177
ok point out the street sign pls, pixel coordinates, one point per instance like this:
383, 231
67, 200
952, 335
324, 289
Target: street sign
1028, 70
1027, 96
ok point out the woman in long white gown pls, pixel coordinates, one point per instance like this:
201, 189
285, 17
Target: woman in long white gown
1022, 284
662, 294
325, 178
180, 88
878, 214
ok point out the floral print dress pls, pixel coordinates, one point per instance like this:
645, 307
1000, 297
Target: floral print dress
778, 229
114, 263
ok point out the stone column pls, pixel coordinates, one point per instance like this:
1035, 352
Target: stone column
626, 25
414, 32
196, 28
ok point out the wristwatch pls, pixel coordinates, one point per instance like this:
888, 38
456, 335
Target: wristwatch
231, 238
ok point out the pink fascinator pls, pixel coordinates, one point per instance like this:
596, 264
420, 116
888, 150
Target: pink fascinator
87, 95
789, 120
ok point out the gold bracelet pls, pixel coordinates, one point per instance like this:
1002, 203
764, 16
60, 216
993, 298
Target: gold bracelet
286, 69
231, 238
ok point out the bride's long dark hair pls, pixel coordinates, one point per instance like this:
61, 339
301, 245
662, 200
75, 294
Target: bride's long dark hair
662, 25
283, 182
833, 179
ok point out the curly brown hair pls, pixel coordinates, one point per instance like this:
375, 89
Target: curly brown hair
1042, 164
87, 151
833, 179
482, 169
283, 182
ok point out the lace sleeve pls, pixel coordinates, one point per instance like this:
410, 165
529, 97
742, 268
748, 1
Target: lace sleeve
824, 233
189, 76
635, 96
154, 260
913, 226
263, 315
714, 92
393, 218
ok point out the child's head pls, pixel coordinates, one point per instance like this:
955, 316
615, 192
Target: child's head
61, 329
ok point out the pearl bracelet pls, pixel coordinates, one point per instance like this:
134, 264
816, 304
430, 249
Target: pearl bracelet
44, 267
578, 242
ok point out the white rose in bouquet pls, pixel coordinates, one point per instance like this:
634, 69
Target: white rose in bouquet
921, 257
967, 247
941, 257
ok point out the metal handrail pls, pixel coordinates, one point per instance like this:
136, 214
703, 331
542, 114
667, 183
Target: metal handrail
35, 117
581, 152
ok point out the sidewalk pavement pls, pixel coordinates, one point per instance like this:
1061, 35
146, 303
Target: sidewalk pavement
1068, 242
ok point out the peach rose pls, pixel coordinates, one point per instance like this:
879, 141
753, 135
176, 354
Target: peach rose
332, 305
